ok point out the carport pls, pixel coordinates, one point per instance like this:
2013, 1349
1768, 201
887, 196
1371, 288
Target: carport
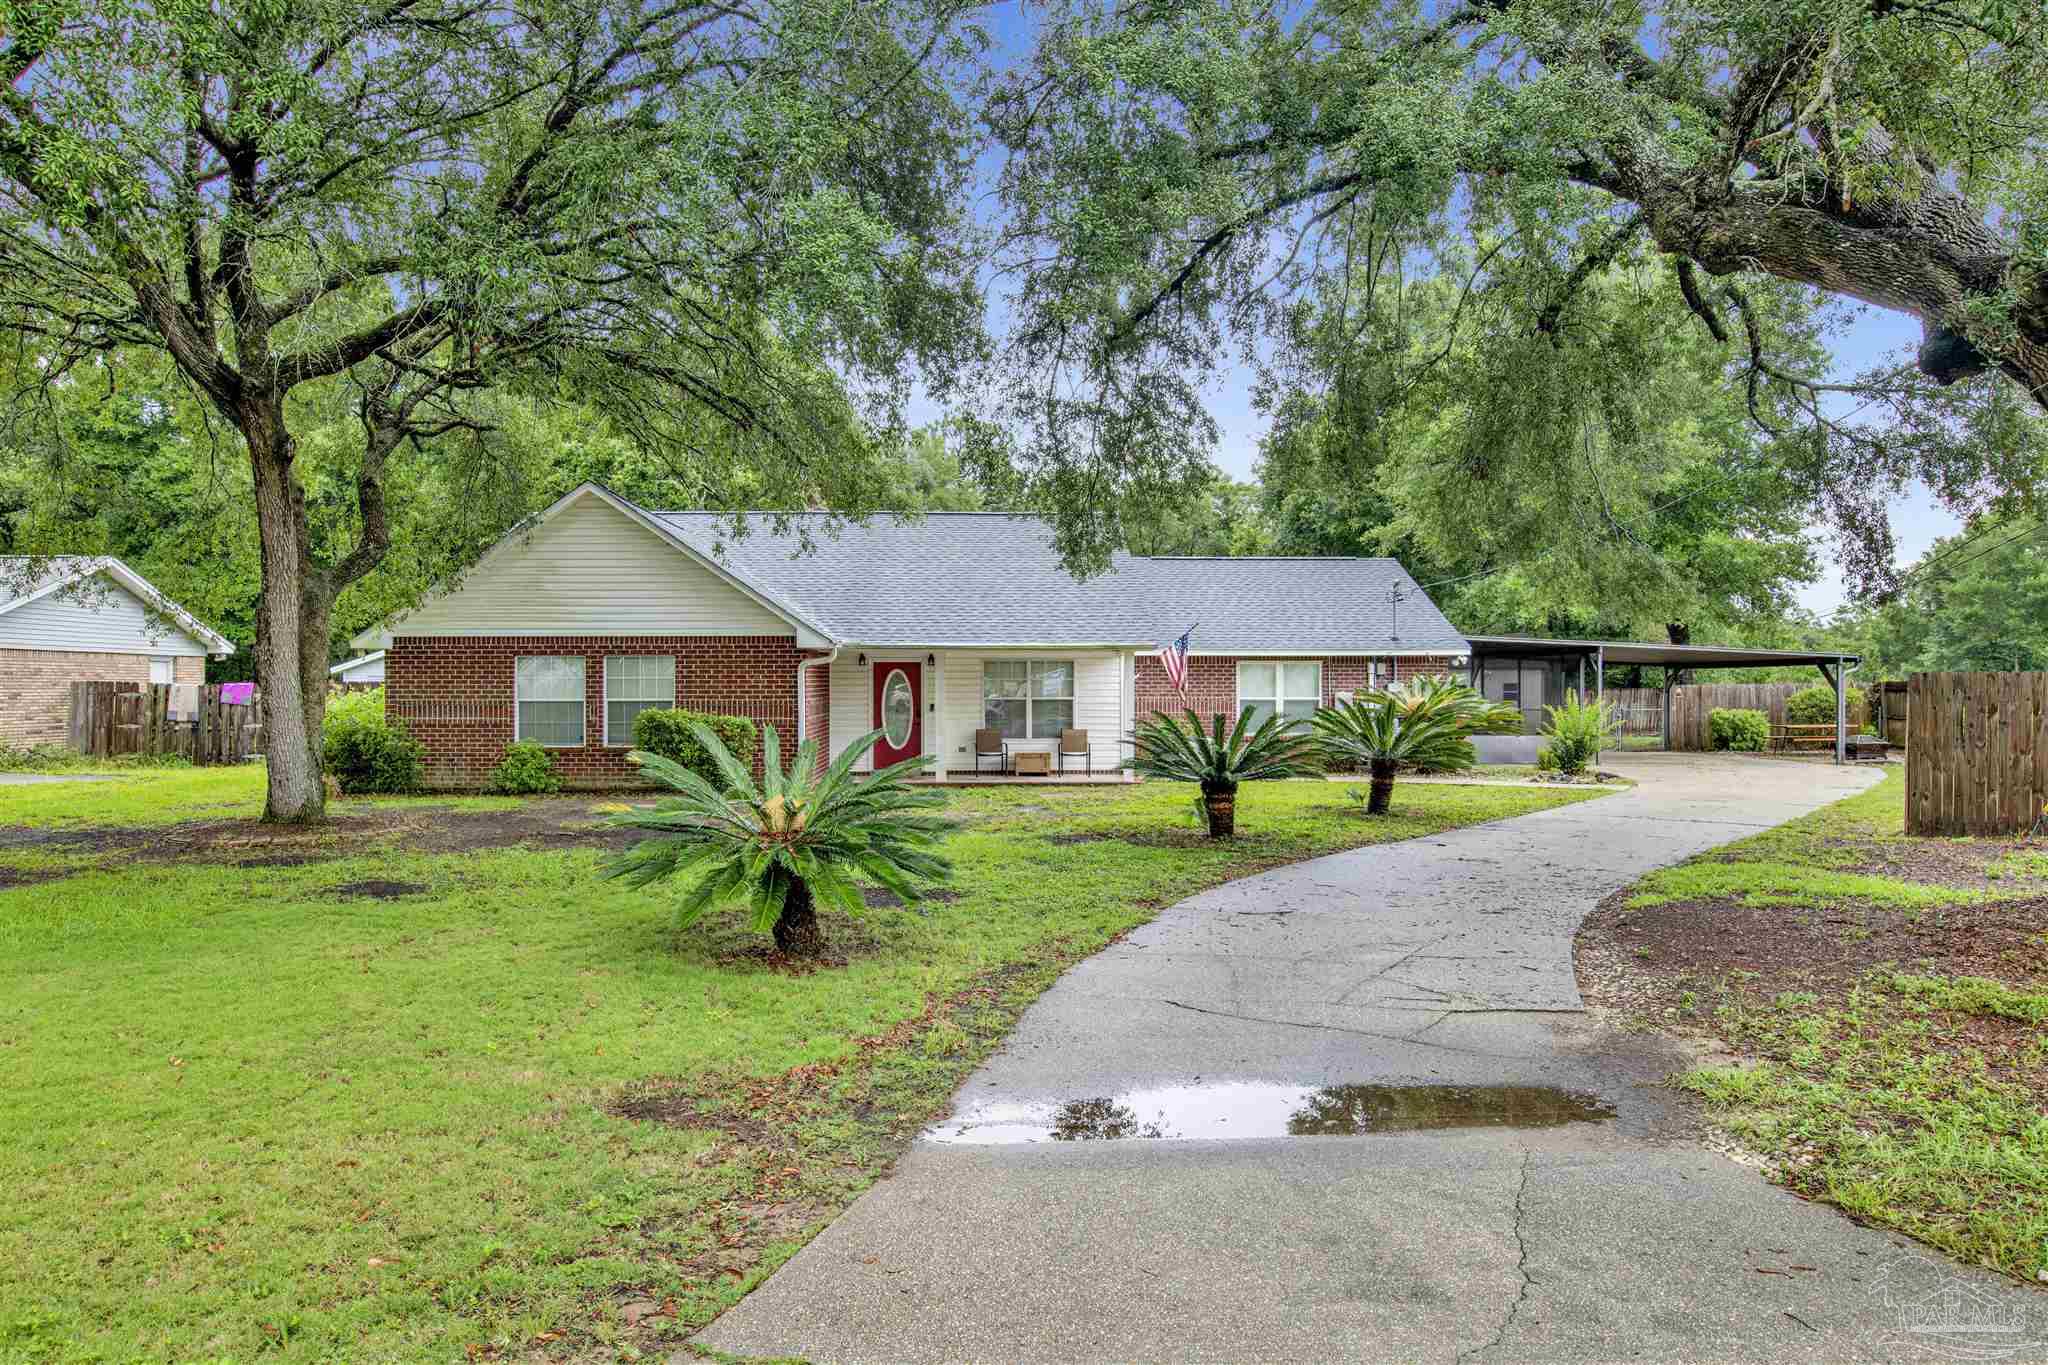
1522, 670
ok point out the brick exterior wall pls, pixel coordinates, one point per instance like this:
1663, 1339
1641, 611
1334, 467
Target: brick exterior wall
1212, 681
35, 687
456, 695
818, 710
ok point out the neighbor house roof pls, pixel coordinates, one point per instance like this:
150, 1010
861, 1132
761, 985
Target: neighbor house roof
23, 580
989, 578
361, 659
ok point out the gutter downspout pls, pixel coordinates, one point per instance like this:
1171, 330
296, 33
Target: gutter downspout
803, 697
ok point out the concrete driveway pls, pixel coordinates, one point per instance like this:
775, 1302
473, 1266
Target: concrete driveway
1518, 1187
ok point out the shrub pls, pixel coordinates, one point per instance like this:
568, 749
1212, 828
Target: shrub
365, 753
668, 732
1741, 730
1219, 760
1423, 726
791, 844
1546, 761
1578, 731
1816, 705
526, 770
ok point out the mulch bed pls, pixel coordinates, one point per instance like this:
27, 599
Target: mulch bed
556, 823
1648, 960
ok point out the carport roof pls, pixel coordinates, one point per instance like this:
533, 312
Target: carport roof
1649, 652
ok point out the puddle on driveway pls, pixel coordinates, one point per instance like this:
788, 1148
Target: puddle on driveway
1253, 1109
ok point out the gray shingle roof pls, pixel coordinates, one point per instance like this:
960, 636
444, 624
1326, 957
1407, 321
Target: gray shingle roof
985, 578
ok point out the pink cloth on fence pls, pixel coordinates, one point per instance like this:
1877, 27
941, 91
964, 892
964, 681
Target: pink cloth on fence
238, 694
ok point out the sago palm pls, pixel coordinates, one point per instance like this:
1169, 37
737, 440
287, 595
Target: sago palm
1379, 731
789, 844
1476, 714
1182, 751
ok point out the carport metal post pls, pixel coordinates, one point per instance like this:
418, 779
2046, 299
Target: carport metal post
1599, 687
1837, 676
1667, 708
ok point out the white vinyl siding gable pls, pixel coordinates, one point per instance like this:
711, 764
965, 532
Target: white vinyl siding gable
592, 570
100, 618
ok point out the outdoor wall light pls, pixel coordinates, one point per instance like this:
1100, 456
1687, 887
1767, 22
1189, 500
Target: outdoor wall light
863, 661
931, 660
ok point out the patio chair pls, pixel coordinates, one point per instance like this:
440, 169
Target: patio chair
1074, 744
990, 744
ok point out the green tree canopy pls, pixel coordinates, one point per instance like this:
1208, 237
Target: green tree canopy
734, 229
1183, 179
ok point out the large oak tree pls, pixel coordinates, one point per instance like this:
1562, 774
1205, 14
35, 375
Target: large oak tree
729, 224
1183, 176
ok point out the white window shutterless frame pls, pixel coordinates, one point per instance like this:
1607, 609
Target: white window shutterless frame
634, 683
549, 692
1292, 688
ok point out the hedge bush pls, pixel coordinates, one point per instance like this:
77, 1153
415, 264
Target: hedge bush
1577, 731
365, 753
526, 770
1816, 705
1739, 729
667, 732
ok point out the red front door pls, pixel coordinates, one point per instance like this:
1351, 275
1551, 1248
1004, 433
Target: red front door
899, 712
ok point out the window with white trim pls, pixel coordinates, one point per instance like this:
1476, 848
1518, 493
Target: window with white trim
549, 693
163, 669
634, 683
1028, 698
1292, 688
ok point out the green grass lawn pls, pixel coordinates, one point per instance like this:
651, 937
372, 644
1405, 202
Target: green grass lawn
256, 1114
1887, 997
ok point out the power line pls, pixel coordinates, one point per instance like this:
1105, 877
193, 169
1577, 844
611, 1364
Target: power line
1950, 551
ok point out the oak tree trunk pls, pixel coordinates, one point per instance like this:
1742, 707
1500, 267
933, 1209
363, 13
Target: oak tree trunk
1382, 793
292, 615
1220, 805
797, 932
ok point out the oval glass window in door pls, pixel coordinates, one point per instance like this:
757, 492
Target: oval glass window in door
898, 710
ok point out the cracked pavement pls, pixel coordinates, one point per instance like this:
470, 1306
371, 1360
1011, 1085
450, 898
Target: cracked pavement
1439, 961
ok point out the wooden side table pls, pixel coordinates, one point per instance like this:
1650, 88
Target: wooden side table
1031, 764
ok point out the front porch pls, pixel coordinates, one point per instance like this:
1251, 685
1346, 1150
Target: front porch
1096, 779
932, 700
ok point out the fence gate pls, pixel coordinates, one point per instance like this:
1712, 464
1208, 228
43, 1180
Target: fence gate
1976, 752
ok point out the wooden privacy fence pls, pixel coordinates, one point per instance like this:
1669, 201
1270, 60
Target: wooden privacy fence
110, 718
1976, 752
1641, 709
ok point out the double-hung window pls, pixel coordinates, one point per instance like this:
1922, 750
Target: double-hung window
1028, 698
634, 683
1293, 689
550, 699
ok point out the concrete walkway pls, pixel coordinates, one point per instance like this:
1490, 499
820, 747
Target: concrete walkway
1335, 990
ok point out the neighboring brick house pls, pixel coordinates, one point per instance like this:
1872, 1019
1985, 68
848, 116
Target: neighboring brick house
928, 629
79, 619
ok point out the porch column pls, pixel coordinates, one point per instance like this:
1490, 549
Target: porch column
1667, 710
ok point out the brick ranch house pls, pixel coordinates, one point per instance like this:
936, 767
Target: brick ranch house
928, 629
86, 619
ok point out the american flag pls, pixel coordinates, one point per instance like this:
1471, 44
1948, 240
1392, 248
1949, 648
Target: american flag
1175, 657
